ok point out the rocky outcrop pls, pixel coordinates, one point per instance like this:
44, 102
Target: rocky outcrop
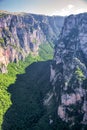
69, 72
22, 33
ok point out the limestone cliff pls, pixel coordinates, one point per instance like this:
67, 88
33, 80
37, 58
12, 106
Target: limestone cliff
69, 72
22, 33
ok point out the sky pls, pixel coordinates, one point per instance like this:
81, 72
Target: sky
47, 7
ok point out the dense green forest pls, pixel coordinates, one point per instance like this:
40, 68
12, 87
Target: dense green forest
10, 78
45, 53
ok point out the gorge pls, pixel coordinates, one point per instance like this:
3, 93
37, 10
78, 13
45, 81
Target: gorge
51, 94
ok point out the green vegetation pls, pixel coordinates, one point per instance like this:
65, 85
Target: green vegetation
46, 51
2, 15
34, 41
31, 29
1, 41
10, 78
8, 33
80, 74
19, 49
27, 96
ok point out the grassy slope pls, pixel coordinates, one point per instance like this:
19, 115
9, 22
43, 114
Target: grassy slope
45, 52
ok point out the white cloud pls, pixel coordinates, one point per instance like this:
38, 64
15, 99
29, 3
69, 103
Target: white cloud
80, 10
70, 6
65, 11
70, 9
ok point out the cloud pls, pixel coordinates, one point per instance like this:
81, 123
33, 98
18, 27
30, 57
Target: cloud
64, 11
70, 6
80, 10
70, 9
47, 7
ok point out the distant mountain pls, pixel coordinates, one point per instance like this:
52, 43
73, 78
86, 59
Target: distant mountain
69, 73
22, 33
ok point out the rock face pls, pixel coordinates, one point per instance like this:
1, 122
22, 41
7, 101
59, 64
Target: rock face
22, 33
69, 72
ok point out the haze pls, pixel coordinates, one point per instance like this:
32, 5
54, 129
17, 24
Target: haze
47, 7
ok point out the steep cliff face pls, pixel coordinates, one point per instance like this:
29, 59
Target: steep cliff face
22, 33
69, 72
